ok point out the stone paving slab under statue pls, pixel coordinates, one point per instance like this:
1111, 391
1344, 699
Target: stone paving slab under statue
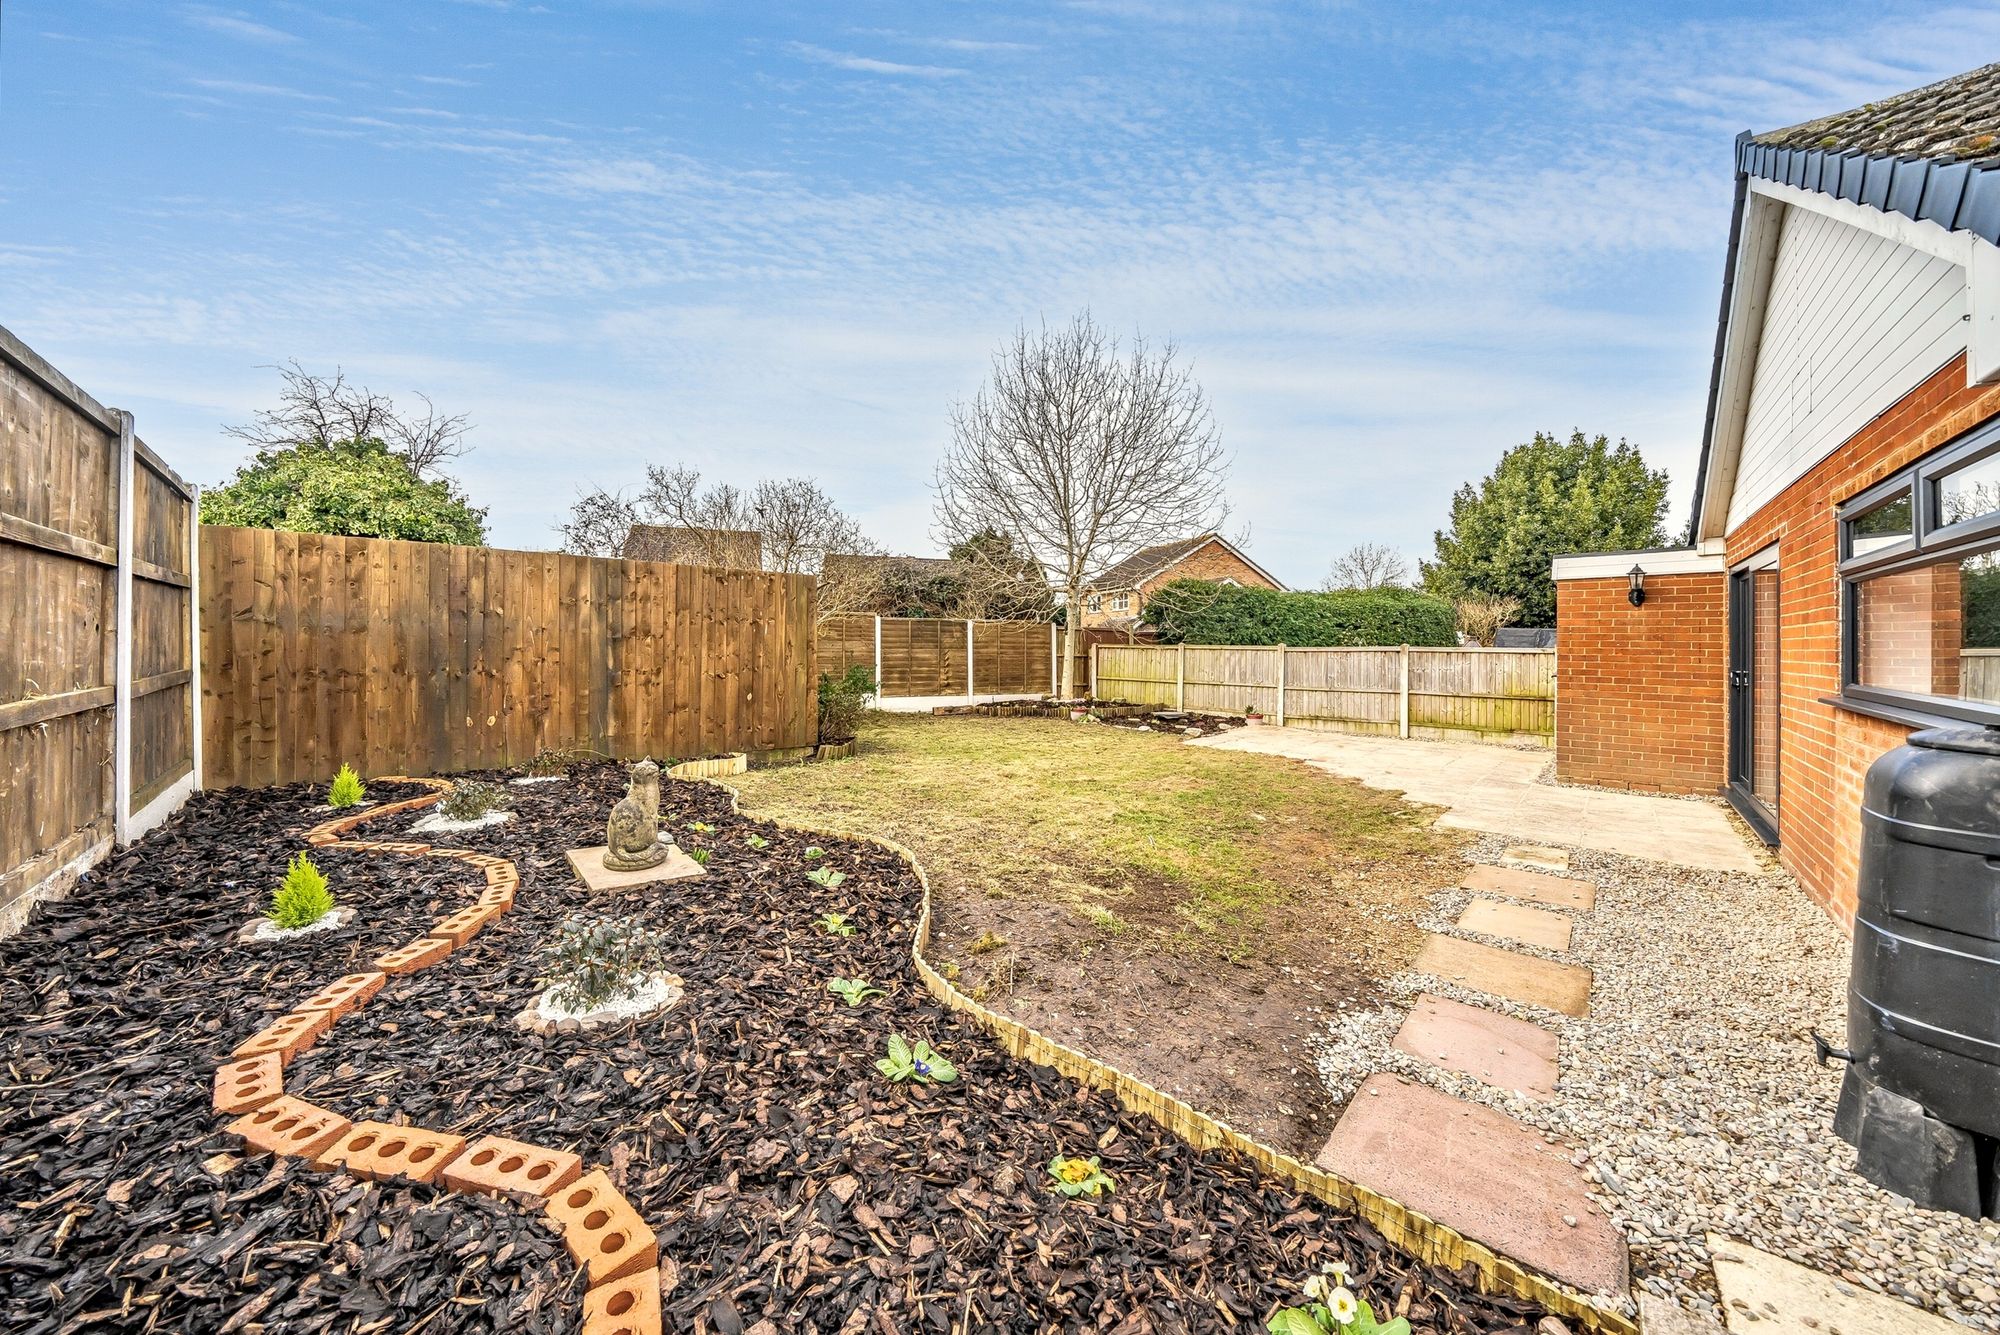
590, 869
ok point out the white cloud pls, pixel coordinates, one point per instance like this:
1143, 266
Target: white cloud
868, 64
248, 89
242, 29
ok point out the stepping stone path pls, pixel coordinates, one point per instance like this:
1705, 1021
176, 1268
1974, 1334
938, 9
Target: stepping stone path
1772, 1296
1471, 1167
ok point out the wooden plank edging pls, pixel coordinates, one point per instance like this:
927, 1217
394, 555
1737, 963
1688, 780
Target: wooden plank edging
1415, 1233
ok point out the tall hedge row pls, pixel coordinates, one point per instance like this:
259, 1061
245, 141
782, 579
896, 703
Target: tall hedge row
1192, 611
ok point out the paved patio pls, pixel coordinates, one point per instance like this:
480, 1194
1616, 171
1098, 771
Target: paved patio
1496, 790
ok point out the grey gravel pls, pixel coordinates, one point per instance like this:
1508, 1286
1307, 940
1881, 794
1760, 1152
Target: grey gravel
1689, 1093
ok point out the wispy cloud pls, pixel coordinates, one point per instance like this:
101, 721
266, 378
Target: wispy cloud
868, 64
447, 80
247, 30
248, 89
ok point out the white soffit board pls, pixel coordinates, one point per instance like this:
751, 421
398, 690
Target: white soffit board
1618, 565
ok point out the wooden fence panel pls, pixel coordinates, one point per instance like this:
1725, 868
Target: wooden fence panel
425, 658
70, 740
1979, 675
1451, 692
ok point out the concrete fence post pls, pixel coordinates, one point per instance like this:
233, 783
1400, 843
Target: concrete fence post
879, 692
121, 642
1403, 693
1055, 659
1180, 678
969, 692
1283, 656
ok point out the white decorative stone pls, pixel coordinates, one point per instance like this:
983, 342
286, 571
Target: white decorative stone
544, 1015
439, 823
262, 931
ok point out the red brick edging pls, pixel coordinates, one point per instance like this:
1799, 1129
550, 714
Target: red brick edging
606, 1237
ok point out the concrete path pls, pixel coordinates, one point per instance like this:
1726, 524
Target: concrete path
1495, 789
1772, 1296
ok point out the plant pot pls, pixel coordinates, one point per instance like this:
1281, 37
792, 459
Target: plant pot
1254, 720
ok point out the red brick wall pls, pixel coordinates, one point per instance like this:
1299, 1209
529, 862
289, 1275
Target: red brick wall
1213, 561
1641, 692
1825, 750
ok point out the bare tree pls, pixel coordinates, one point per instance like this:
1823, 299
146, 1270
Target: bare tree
1480, 619
1368, 565
784, 524
324, 410
1081, 453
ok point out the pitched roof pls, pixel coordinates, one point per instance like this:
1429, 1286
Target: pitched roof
862, 562
1147, 562
735, 549
1957, 117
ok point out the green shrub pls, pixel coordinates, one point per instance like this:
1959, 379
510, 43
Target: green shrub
470, 799
596, 961
303, 899
346, 790
841, 700
1193, 611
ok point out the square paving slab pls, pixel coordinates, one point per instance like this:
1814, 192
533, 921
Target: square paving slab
1516, 922
1523, 978
1504, 1052
1563, 892
590, 869
1541, 859
1481, 1172
1773, 1296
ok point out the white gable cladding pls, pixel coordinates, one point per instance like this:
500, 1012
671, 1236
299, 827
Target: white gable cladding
1853, 322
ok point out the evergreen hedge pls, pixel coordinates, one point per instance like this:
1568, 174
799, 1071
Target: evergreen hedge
1193, 611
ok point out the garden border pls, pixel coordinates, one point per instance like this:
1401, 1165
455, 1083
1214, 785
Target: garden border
1418, 1234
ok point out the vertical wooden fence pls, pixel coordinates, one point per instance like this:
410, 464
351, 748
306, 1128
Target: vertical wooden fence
941, 656
425, 658
97, 706
1408, 692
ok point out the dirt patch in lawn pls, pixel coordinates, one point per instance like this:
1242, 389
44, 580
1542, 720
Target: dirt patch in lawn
1190, 916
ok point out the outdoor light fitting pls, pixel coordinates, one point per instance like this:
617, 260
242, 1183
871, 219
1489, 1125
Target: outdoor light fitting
1636, 595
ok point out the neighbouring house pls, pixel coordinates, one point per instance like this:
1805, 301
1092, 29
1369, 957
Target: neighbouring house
1841, 583
1115, 598
731, 549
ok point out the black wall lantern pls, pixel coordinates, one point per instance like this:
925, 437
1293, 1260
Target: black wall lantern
1636, 594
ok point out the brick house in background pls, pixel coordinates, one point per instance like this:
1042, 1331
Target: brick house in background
1842, 582
1115, 598
729, 548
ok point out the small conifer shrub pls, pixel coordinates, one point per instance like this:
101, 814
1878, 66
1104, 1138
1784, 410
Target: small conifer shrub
303, 899
346, 790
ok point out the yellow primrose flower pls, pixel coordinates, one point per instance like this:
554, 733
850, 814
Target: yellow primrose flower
1075, 1170
1344, 1306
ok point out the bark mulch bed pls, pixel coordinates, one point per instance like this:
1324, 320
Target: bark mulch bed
122, 1207
792, 1188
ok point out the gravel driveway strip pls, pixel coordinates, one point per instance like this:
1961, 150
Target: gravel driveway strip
1690, 1090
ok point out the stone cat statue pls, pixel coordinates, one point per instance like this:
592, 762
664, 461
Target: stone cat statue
632, 835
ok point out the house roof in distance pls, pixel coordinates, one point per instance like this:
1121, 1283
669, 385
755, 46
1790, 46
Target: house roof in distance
1147, 562
866, 561
735, 549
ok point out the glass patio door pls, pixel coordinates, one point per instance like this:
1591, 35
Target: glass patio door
1754, 676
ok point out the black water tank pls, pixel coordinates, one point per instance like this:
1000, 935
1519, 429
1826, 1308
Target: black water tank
1922, 1097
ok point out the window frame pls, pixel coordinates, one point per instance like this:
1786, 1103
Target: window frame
1120, 602
1930, 542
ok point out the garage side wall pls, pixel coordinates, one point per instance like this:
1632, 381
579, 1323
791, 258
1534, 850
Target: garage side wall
1641, 691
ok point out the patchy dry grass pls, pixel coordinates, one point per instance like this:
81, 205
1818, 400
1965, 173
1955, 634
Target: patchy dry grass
1125, 829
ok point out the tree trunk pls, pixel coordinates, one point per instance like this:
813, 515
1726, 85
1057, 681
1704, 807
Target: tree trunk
1073, 610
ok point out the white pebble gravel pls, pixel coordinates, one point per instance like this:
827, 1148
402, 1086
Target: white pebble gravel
1690, 1093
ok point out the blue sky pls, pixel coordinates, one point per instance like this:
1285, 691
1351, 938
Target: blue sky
765, 239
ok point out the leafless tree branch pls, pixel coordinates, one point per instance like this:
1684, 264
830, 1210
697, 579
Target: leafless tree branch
325, 410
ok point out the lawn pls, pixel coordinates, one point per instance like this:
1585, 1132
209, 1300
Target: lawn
1190, 915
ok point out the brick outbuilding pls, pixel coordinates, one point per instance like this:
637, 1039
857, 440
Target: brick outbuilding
1842, 582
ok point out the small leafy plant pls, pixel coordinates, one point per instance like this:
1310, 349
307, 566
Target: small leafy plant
302, 899
827, 877
596, 961
701, 827
756, 841
917, 1062
470, 799
551, 761
1331, 1308
701, 855
815, 852
346, 790
1079, 1176
853, 991
834, 924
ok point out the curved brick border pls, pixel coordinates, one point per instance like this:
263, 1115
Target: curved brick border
604, 1234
